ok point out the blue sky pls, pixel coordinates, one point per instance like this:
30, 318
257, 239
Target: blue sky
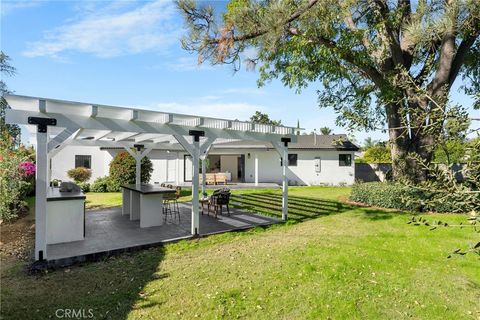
128, 53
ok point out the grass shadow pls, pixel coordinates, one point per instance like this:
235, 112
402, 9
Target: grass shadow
375, 214
299, 208
110, 288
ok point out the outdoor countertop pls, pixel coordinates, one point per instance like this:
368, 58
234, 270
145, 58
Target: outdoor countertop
148, 188
54, 194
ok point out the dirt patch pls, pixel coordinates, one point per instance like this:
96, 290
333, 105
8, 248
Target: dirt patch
17, 237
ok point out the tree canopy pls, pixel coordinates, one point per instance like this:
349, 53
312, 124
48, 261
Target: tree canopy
377, 154
7, 131
263, 118
325, 130
382, 64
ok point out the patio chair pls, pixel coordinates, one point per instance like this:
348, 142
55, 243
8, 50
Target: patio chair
219, 198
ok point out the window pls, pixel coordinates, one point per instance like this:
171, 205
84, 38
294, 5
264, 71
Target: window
344, 160
83, 161
292, 160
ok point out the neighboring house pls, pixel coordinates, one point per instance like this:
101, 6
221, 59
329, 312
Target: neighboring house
313, 160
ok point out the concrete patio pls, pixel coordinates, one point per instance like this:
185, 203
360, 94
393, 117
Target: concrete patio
108, 232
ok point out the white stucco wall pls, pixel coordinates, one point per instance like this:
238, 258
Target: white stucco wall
65, 160
169, 166
304, 173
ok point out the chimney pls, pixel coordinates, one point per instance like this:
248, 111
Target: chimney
315, 137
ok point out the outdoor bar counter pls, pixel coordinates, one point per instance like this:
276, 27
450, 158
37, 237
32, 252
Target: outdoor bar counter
144, 202
65, 216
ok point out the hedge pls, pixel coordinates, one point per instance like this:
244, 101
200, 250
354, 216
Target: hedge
397, 196
383, 194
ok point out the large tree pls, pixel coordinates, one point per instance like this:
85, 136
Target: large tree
382, 64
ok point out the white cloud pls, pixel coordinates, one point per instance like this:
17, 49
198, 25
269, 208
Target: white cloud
249, 91
8, 7
111, 31
227, 110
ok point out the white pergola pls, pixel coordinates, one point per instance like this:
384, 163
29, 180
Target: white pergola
60, 123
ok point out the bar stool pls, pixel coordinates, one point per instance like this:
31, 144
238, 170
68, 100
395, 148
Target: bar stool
170, 206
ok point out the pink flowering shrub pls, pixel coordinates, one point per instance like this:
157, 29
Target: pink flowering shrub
27, 169
17, 178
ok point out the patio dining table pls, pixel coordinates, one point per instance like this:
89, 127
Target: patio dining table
144, 202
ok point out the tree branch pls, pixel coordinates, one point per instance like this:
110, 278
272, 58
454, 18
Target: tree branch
369, 70
391, 35
259, 33
462, 50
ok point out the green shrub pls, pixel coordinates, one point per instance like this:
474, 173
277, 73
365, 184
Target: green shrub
79, 174
13, 186
122, 171
85, 186
398, 196
100, 185
383, 194
114, 185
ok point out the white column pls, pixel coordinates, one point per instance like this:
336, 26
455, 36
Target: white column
49, 175
49, 170
138, 156
195, 151
138, 172
284, 184
256, 169
204, 169
195, 187
41, 198
282, 149
177, 169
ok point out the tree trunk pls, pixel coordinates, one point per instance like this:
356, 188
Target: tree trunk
402, 143
397, 139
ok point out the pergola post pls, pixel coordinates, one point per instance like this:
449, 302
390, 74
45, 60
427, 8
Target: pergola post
256, 169
285, 183
138, 171
204, 150
138, 156
282, 149
41, 176
41, 198
197, 152
204, 169
195, 182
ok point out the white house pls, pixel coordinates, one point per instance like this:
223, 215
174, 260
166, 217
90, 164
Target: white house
313, 160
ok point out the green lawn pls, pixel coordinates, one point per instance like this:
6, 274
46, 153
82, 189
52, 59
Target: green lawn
112, 199
98, 200
339, 262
